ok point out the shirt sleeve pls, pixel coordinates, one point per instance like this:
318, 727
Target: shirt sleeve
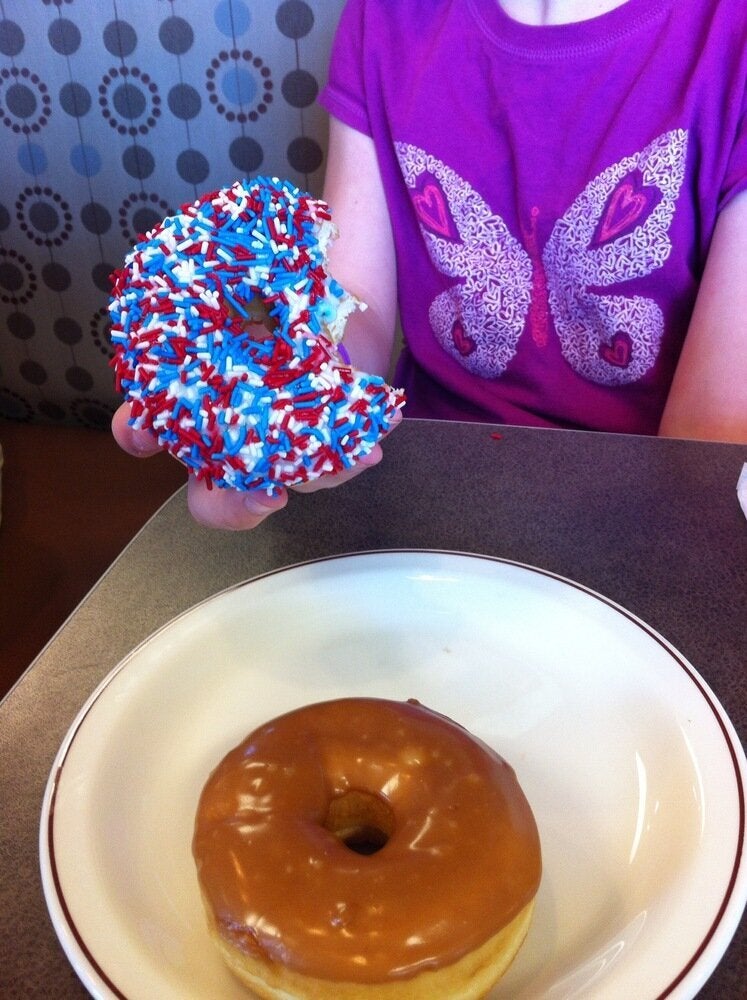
344, 94
735, 177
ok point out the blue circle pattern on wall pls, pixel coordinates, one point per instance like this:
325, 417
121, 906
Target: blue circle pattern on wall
112, 115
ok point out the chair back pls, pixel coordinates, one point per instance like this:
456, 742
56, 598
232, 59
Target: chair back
114, 115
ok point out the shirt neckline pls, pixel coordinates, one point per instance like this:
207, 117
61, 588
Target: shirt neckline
564, 40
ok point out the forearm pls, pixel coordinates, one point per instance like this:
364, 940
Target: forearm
362, 258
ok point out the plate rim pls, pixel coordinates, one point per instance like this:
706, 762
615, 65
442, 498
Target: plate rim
93, 976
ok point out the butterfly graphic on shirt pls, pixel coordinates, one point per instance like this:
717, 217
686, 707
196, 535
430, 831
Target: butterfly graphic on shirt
615, 231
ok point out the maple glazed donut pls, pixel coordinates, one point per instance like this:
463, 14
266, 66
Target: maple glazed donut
366, 848
239, 409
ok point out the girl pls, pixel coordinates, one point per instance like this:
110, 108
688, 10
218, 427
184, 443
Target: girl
552, 193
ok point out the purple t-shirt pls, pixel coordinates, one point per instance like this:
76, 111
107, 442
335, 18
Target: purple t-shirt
553, 193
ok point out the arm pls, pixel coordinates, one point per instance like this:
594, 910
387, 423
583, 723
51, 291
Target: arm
708, 397
362, 258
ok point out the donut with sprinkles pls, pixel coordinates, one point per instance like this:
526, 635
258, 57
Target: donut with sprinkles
242, 410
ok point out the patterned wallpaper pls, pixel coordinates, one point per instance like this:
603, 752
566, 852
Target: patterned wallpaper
112, 114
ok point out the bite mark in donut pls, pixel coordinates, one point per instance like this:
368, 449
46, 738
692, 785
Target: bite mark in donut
260, 410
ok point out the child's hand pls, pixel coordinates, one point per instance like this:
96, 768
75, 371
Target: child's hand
233, 510
236, 510
141, 444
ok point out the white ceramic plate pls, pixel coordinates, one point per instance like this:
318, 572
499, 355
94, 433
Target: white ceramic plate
634, 771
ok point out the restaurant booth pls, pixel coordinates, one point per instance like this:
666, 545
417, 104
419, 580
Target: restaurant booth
114, 115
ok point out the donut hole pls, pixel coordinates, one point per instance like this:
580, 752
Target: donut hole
364, 822
259, 314
257, 322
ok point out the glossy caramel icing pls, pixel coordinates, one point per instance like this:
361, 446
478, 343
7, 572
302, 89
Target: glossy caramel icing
455, 849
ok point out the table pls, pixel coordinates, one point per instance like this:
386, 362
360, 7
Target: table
652, 524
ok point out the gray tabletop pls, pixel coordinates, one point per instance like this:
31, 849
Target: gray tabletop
652, 524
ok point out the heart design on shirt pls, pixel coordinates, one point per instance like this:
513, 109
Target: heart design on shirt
625, 207
462, 341
432, 211
618, 351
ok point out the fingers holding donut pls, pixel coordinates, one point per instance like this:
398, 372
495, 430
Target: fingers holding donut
226, 327
231, 510
237, 510
338, 478
364, 462
137, 442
